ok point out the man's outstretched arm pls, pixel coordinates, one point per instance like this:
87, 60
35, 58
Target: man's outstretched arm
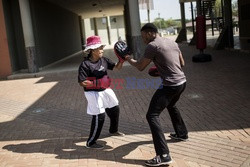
141, 64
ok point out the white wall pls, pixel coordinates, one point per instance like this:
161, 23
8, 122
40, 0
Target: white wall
88, 28
117, 28
102, 29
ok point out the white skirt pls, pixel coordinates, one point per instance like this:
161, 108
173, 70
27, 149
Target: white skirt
99, 101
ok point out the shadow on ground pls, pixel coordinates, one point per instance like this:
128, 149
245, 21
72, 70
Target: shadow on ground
74, 149
217, 97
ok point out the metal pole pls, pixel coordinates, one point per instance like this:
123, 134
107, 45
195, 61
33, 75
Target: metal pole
198, 6
148, 15
148, 11
192, 13
222, 12
159, 15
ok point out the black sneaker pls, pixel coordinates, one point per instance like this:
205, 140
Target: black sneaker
176, 137
159, 160
117, 134
95, 146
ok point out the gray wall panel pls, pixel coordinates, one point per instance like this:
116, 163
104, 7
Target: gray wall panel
56, 31
15, 35
244, 18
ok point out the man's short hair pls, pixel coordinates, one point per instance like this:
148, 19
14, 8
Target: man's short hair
149, 27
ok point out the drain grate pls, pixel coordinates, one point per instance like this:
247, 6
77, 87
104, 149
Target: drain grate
194, 96
39, 110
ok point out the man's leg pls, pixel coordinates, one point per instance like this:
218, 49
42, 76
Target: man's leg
157, 105
176, 118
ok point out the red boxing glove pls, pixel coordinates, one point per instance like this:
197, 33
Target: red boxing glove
105, 82
102, 83
153, 72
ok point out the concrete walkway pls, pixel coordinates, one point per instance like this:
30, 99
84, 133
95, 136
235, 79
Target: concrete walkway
43, 120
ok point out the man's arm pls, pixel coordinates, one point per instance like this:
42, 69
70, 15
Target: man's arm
141, 64
182, 62
118, 65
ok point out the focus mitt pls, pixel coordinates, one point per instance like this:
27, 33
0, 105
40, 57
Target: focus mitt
153, 72
121, 50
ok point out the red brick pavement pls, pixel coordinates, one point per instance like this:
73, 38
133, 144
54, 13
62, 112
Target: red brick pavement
43, 120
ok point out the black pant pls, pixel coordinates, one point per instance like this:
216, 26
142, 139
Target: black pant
97, 123
165, 97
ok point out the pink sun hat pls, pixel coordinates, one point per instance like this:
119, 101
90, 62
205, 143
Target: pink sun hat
93, 42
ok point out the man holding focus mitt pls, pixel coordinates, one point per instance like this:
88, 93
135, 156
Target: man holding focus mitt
168, 62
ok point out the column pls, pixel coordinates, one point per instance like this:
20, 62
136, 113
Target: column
133, 27
198, 6
229, 23
108, 29
226, 39
183, 32
5, 63
183, 17
81, 30
95, 26
28, 36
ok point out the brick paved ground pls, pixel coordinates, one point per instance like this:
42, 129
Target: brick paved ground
43, 121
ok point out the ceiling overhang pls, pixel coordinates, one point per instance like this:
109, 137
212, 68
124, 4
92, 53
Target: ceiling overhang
92, 8
183, 1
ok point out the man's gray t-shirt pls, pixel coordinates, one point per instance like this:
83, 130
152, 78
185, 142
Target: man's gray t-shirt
165, 55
